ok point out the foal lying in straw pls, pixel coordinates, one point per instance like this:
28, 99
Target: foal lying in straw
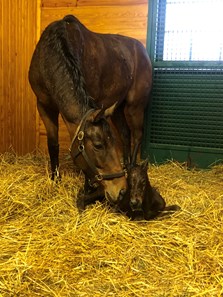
142, 198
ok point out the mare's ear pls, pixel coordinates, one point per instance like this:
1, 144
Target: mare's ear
110, 110
145, 164
105, 113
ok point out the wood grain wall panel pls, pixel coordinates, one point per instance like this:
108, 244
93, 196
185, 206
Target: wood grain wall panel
74, 3
110, 2
126, 17
17, 104
61, 3
125, 20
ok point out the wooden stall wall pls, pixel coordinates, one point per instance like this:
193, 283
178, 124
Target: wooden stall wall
18, 35
126, 17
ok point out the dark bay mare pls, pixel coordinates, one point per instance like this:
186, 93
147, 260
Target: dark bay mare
116, 69
56, 77
89, 78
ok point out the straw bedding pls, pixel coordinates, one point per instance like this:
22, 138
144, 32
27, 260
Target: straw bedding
48, 249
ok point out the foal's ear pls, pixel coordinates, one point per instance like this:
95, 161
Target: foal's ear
105, 113
145, 164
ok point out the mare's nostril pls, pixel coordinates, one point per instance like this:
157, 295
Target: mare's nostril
123, 191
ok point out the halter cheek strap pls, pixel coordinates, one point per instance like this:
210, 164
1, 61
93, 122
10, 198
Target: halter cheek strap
82, 123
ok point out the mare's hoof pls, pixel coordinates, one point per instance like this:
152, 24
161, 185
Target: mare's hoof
56, 177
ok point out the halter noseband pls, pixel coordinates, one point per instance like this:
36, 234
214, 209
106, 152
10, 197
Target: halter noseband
79, 136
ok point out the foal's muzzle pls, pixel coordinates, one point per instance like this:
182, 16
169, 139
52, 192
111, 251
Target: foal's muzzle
136, 204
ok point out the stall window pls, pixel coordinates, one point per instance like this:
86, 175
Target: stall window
193, 30
185, 119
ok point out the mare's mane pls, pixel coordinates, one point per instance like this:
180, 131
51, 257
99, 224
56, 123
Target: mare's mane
67, 59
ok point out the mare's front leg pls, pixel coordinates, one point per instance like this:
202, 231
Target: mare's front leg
135, 116
49, 117
134, 112
120, 123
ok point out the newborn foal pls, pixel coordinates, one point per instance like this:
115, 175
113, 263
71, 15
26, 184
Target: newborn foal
141, 196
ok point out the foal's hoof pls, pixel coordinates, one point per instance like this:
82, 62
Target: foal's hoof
172, 208
169, 210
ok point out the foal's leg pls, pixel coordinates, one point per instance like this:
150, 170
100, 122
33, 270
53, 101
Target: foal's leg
50, 120
153, 204
158, 203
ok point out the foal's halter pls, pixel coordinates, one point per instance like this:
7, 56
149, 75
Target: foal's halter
77, 148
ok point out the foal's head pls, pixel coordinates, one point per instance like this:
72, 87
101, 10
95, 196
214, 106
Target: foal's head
139, 186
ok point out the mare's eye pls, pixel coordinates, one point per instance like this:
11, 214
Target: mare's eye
98, 146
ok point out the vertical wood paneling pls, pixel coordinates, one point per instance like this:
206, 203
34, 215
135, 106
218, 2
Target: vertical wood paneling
38, 33
2, 136
17, 104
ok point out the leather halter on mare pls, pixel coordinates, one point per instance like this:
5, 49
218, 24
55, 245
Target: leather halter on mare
79, 137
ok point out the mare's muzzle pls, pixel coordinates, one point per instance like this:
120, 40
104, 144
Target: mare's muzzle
120, 197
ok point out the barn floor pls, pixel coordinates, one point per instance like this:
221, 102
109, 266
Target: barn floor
48, 249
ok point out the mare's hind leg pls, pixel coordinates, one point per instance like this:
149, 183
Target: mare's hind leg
50, 119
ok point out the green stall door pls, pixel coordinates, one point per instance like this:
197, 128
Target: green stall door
184, 121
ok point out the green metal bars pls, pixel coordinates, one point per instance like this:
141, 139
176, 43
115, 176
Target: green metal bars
185, 119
